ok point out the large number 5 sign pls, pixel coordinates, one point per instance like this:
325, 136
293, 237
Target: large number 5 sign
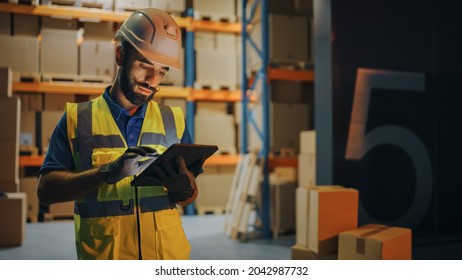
360, 142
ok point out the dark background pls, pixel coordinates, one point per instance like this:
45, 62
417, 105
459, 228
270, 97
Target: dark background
422, 36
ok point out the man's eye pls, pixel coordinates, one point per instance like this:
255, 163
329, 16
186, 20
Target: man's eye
145, 66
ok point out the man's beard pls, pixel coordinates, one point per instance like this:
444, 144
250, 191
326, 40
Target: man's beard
128, 88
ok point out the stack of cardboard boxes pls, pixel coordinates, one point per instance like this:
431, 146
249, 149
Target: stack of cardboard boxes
12, 202
327, 220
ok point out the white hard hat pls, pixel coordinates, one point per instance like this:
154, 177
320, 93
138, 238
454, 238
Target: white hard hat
155, 34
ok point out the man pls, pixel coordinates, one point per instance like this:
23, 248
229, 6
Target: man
99, 145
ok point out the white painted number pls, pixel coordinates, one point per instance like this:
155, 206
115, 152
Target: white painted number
359, 143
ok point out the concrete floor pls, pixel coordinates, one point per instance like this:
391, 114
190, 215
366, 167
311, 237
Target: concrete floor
55, 241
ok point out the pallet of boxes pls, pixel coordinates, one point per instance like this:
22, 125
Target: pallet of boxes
12, 202
327, 221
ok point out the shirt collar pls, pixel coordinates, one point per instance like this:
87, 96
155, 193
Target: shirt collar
118, 111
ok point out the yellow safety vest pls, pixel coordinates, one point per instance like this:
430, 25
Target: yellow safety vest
116, 222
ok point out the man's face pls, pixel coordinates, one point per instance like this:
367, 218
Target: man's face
139, 78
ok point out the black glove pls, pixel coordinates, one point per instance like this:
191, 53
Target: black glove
180, 184
133, 161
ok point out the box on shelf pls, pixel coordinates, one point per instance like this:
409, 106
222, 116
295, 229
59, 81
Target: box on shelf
218, 130
130, 5
57, 102
21, 54
59, 46
204, 40
97, 60
210, 71
215, 10
215, 185
48, 121
211, 108
174, 77
332, 210
98, 31
100, 4
13, 219
58, 23
170, 6
375, 242
289, 40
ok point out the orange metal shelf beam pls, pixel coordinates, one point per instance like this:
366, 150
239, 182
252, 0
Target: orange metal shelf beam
37, 161
216, 95
31, 161
204, 25
290, 75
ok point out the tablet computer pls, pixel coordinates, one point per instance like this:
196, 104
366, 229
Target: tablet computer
194, 156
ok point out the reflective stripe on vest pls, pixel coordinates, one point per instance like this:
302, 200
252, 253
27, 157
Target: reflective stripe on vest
85, 141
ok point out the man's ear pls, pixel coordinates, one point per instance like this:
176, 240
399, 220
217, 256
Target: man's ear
119, 55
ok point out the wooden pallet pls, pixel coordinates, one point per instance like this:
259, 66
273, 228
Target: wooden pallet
242, 196
25, 77
214, 17
210, 85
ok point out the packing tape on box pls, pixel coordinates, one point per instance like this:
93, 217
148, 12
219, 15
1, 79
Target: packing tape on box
361, 242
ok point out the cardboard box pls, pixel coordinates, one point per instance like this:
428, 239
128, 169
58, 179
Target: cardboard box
98, 31
211, 108
214, 188
308, 142
210, 73
301, 215
282, 206
172, 6
57, 102
6, 82
20, 53
57, 23
288, 41
306, 170
9, 173
204, 40
97, 60
375, 242
28, 185
58, 46
100, 4
13, 219
218, 129
300, 252
215, 10
332, 210
48, 122
130, 5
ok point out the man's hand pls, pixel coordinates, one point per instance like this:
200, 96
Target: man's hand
180, 184
132, 162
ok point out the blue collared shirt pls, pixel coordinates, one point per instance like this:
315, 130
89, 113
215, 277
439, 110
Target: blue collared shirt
59, 155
